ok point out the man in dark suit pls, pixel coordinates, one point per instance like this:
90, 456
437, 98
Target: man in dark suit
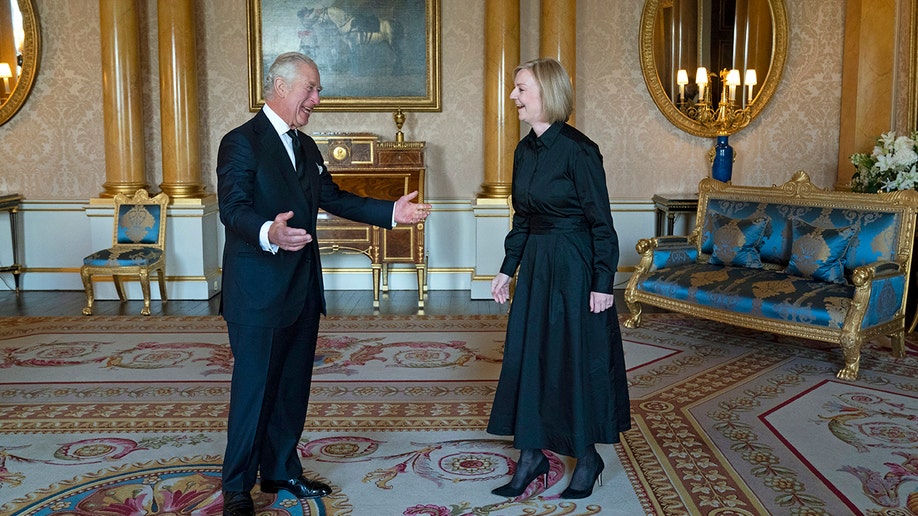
271, 182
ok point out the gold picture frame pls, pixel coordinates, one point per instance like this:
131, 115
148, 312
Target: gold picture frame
380, 59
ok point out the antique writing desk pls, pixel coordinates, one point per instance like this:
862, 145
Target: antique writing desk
362, 164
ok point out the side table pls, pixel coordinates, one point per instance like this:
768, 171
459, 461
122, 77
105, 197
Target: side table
667, 206
10, 203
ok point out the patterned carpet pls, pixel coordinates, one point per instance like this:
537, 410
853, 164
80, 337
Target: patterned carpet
126, 415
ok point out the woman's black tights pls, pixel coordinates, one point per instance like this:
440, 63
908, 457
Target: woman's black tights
586, 473
528, 467
532, 463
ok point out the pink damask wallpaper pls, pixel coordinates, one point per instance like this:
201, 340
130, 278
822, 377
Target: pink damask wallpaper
53, 148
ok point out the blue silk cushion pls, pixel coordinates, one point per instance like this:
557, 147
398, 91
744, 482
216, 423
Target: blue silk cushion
819, 253
123, 257
875, 238
737, 241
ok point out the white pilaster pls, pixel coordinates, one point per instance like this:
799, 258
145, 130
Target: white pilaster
492, 222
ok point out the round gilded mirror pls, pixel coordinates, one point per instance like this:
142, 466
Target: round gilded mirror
20, 48
698, 56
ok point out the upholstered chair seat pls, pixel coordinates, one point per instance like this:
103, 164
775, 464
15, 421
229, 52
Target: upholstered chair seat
123, 257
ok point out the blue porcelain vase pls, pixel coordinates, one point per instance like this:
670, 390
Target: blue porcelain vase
722, 169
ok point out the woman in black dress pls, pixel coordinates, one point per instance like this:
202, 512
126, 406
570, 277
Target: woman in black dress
562, 384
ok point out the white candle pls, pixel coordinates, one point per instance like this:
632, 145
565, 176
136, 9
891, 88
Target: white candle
751, 81
701, 79
701, 76
681, 80
6, 73
733, 80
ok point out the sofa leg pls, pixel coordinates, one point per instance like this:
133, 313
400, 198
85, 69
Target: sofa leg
851, 348
898, 344
635, 319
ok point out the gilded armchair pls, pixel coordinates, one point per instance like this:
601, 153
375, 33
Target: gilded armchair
138, 247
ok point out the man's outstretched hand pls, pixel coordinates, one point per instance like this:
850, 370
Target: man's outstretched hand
286, 237
407, 212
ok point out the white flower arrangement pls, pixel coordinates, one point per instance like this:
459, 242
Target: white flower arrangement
891, 165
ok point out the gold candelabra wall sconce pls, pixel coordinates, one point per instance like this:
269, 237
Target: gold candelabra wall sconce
730, 115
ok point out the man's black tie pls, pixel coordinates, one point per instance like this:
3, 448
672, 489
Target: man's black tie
297, 153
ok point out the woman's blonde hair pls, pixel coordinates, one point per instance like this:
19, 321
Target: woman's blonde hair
555, 85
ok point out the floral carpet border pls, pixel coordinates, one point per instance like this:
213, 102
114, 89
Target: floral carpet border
18, 326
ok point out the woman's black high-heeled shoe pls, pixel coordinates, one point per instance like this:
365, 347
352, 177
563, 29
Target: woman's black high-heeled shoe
510, 491
572, 494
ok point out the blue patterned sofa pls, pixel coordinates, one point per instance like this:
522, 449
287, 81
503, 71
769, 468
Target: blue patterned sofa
792, 259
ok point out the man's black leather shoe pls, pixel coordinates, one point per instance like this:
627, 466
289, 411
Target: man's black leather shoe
300, 487
236, 503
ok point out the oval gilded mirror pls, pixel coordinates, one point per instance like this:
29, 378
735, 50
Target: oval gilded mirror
685, 44
20, 49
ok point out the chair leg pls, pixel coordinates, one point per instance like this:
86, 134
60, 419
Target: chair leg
162, 284
118, 287
87, 286
145, 287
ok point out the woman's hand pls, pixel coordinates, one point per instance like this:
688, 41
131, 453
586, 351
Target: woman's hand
599, 302
500, 288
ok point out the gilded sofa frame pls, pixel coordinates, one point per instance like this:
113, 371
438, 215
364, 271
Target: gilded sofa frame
798, 191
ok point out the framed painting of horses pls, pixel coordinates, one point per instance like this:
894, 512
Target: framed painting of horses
373, 55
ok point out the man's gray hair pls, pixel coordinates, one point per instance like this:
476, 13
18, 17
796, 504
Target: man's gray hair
285, 67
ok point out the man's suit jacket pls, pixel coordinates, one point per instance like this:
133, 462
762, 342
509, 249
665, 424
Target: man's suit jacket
255, 182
